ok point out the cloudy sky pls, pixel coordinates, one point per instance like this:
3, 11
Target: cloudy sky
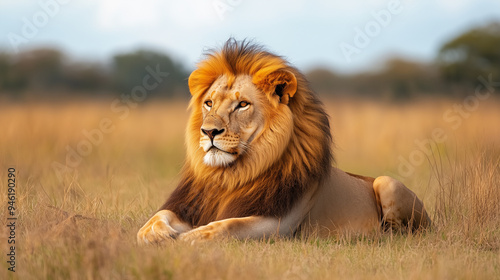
343, 35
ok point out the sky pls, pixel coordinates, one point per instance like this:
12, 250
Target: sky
345, 36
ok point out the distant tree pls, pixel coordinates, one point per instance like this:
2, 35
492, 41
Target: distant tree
86, 77
398, 79
407, 78
130, 69
323, 81
4, 69
474, 53
49, 71
36, 69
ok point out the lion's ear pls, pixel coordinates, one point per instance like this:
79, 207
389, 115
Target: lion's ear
281, 83
193, 82
199, 81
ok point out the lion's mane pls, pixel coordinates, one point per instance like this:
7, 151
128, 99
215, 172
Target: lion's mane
205, 193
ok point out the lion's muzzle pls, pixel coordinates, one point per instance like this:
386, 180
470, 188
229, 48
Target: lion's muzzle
211, 133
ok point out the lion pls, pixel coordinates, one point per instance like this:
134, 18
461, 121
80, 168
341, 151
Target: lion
260, 162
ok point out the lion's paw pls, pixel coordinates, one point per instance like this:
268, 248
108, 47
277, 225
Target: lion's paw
203, 233
156, 231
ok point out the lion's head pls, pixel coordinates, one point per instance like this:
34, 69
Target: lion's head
243, 106
255, 129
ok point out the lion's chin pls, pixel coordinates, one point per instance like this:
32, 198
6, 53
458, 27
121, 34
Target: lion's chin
217, 158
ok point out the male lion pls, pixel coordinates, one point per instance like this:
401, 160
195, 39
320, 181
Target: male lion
259, 161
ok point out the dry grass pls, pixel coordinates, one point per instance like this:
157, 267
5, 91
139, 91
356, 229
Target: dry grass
84, 226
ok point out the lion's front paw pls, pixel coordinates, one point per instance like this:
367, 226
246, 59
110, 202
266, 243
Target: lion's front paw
156, 231
203, 233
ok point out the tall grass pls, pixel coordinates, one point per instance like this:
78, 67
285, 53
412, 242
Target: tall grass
467, 207
83, 226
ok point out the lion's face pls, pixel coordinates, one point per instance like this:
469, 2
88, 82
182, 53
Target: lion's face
241, 118
233, 118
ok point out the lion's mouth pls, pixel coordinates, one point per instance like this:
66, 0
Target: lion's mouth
215, 149
217, 157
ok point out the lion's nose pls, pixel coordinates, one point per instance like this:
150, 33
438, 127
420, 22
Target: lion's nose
212, 132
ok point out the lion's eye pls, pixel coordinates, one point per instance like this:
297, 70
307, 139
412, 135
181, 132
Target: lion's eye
208, 103
243, 104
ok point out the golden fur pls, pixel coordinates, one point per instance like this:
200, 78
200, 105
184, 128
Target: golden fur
280, 174
259, 183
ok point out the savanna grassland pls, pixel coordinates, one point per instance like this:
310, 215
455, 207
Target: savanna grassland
80, 221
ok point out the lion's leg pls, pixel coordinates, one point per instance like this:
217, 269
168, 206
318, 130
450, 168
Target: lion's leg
164, 225
240, 228
255, 226
401, 208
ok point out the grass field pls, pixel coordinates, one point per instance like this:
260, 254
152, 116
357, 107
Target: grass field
79, 222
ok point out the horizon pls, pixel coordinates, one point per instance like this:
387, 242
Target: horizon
301, 31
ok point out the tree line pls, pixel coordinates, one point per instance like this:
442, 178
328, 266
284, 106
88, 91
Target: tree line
455, 71
49, 72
